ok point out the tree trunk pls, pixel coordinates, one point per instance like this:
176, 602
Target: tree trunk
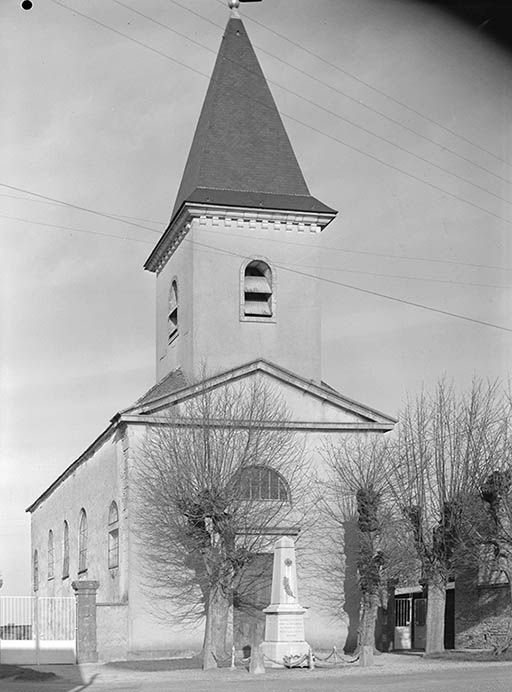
370, 603
215, 628
436, 603
257, 664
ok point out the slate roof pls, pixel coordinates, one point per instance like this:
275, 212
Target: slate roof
241, 154
174, 388
170, 383
161, 395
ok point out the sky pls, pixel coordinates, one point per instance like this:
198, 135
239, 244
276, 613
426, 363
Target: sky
399, 114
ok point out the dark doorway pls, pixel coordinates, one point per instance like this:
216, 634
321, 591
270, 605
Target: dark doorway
419, 623
449, 620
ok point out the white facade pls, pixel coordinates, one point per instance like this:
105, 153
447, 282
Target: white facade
234, 314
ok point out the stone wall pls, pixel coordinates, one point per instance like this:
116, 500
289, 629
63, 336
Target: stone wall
482, 614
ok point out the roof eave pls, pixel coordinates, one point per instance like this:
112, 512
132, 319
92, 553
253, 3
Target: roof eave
328, 393
181, 223
103, 437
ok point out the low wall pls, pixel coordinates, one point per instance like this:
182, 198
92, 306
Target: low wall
25, 652
486, 623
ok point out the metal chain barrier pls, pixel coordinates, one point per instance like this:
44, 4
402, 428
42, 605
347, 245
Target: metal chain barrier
308, 659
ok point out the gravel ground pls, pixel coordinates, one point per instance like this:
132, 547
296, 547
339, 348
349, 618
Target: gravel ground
170, 676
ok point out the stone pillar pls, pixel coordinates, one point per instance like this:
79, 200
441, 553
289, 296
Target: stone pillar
85, 592
284, 621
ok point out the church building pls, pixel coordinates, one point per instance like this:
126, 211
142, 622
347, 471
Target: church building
241, 314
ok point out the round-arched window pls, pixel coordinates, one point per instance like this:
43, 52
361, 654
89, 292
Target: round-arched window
113, 536
263, 483
82, 542
257, 290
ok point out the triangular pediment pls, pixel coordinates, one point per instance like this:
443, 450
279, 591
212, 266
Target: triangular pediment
311, 405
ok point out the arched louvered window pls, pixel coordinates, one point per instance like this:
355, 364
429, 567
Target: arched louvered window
173, 312
51, 556
263, 483
113, 536
82, 542
65, 551
35, 571
257, 290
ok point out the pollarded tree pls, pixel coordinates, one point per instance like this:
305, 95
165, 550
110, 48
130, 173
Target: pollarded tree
216, 476
445, 444
496, 493
357, 500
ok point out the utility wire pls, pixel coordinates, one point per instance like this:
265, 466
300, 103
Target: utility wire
313, 103
292, 270
74, 230
319, 266
58, 202
300, 122
400, 276
322, 247
120, 217
376, 89
76, 206
130, 38
360, 103
403, 301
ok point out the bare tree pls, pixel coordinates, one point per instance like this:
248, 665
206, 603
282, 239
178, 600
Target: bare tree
357, 501
214, 483
496, 493
445, 444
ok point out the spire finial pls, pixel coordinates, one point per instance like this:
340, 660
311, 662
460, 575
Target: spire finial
234, 5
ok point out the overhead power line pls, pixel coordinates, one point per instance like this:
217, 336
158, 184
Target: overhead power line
319, 266
388, 255
378, 91
301, 122
426, 279
121, 218
59, 203
130, 38
329, 111
76, 206
74, 230
289, 269
403, 301
358, 101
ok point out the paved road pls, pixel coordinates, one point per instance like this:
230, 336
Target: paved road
462, 678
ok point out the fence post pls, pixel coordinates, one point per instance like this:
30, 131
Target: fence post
36, 629
86, 647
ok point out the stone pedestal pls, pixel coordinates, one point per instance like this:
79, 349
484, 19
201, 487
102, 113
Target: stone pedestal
86, 647
284, 624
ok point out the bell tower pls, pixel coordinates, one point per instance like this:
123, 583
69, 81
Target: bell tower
227, 300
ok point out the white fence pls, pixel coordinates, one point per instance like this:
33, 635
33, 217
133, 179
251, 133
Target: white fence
37, 630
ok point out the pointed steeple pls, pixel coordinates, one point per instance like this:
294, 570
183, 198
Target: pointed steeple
241, 155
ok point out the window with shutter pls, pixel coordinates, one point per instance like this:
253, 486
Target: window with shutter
173, 312
113, 536
257, 290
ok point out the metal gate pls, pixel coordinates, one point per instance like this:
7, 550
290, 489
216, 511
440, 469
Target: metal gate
403, 618
37, 630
